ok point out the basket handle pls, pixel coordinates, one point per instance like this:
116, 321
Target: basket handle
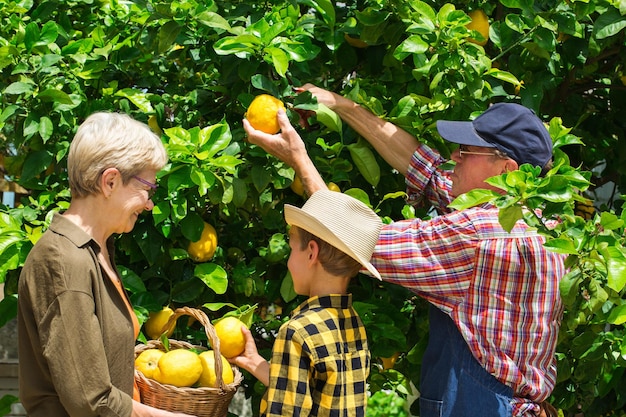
211, 335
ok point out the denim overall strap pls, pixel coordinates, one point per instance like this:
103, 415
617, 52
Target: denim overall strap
453, 383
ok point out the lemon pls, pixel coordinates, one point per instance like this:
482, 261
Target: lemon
203, 249
479, 23
156, 322
388, 363
333, 187
232, 340
179, 367
356, 42
262, 113
208, 378
297, 186
147, 361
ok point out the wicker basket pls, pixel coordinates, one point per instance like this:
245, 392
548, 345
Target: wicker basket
200, 401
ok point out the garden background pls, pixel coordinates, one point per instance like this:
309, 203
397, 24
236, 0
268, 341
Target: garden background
190, 68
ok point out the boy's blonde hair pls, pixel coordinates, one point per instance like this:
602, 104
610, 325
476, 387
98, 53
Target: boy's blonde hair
111, 140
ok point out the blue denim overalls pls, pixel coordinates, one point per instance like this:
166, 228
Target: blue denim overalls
453, 383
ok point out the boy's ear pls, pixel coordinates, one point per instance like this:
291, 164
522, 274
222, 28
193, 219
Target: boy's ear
313, 250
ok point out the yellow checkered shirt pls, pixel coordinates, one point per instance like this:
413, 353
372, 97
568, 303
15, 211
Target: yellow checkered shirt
320, 362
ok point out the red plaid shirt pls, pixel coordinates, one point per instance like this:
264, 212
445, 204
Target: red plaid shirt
500, 288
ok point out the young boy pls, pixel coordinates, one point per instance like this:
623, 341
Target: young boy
320, 360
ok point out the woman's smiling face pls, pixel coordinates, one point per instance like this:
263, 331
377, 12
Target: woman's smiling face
132, 199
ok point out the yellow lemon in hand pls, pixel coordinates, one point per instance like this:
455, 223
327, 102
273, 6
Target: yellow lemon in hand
232, 340
156, 321
203, 249
147, 361
208, 378
262, 113
179, 367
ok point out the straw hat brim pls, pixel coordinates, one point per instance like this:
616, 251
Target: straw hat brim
300, 218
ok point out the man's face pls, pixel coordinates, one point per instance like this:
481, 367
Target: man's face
474, 164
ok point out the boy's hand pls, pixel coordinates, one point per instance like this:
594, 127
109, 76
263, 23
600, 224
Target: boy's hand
250, 359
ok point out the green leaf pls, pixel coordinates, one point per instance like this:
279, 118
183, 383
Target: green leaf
8, 308
137, 97
278, 58
213, 275
569, 286
237, 44
325, 8
616, 267
414, 44
328, 118
617, 315
609, 23
132, 281
217, 306
35, 163
31, 35
213, 139
167, 36
19, 87
508, 216
49, 33
7, 401
365, 161
46, 129
561, 245
191, 227
286, 288
213, 21
54, 95
473, 198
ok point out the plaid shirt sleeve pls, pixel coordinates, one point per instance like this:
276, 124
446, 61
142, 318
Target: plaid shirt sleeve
427, 180
319, 366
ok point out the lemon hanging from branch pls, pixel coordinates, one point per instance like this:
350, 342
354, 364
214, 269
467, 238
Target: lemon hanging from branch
203, 249
479, 23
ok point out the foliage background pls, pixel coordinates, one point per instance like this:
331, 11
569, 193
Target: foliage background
190, 68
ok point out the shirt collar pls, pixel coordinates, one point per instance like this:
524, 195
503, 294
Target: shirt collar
337, 301
65, 227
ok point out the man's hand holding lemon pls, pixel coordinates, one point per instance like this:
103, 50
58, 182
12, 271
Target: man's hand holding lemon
287, 145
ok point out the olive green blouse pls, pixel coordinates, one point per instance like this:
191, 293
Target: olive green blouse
75, 333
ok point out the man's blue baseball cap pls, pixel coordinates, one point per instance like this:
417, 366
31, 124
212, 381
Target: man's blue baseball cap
511, 128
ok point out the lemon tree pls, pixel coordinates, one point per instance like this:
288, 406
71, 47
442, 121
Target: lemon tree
191, 77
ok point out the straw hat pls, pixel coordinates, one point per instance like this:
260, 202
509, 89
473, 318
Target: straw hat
340, 220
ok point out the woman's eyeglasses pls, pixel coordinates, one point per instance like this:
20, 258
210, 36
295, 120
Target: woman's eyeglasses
153, 187
463, 151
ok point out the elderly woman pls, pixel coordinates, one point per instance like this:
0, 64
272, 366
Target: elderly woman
76, 326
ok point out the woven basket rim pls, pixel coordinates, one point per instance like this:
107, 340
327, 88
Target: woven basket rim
179, 344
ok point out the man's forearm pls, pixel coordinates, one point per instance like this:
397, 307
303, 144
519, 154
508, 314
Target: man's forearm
395, 145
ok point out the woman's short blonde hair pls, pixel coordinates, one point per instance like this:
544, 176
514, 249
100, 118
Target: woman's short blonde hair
111, 140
